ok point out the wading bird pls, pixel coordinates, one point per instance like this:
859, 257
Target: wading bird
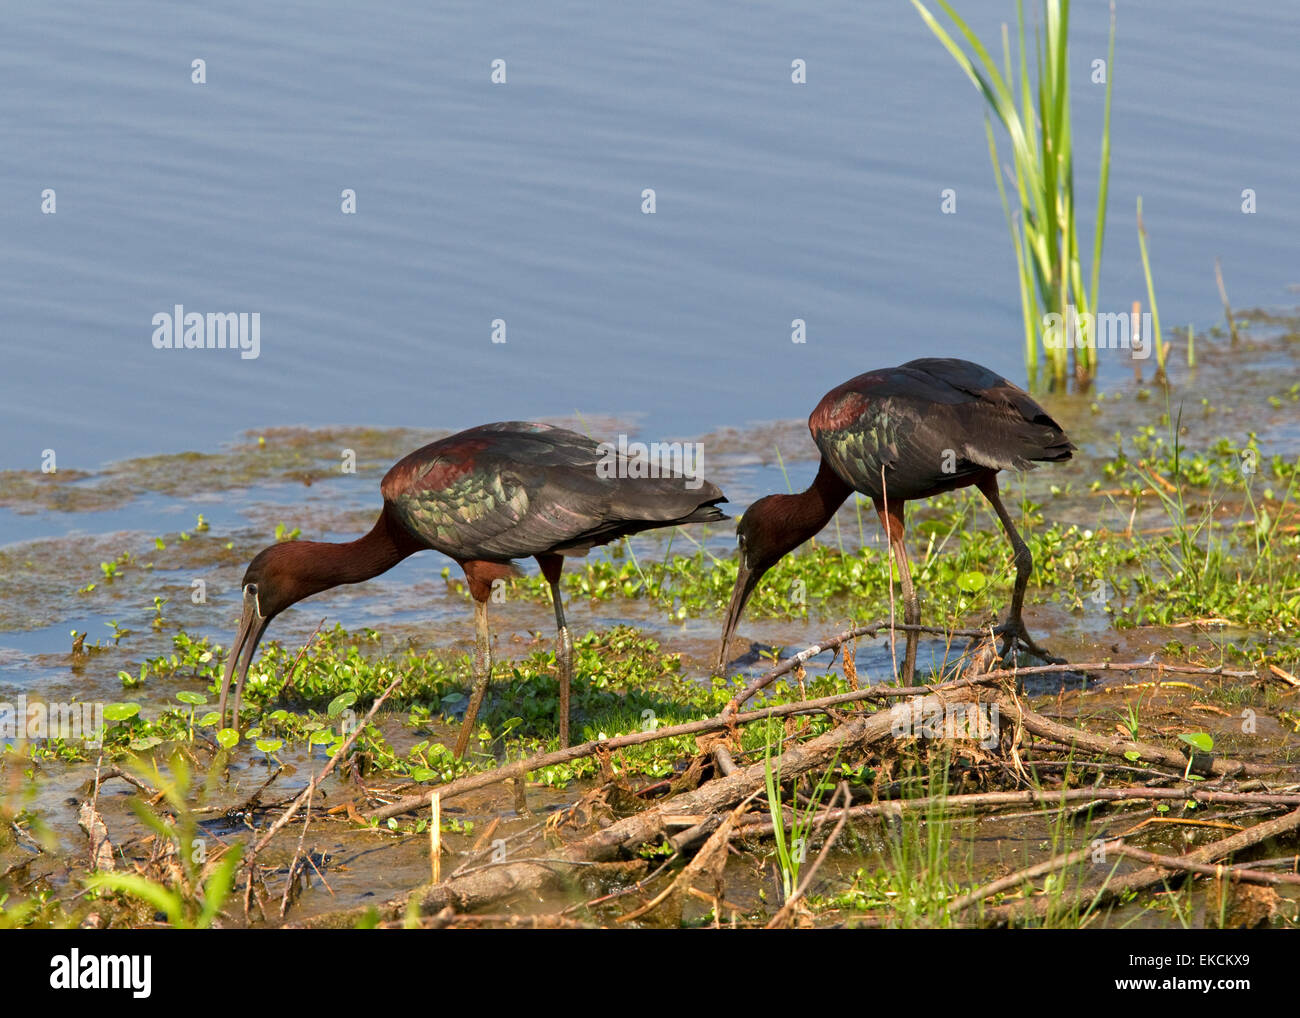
483, 497
898, 434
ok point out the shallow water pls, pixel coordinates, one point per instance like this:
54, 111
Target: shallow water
522, 201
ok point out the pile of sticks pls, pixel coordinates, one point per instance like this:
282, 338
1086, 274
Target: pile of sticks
702, 821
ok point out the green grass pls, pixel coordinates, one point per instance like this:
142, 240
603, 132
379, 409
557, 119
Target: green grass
918, 865
1044, 224
189, 894
793, 853
1161, 349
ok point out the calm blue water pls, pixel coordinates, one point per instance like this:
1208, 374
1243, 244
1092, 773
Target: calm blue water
522, 202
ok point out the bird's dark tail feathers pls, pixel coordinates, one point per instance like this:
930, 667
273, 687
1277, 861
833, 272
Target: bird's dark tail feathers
708, 513
1018, 443
1052, 444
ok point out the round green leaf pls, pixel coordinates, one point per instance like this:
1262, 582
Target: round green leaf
341, 703
148, 742
321, 737
192, 698
424, 774
1199, 741
269, 745
972, 581
210, 718
121, 711
227, 738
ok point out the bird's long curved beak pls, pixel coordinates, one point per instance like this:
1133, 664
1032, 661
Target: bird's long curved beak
251, 627
746, 580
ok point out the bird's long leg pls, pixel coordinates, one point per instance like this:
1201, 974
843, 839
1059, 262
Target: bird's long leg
551, 566
891, 518
482, 674
564, 659
1013, 628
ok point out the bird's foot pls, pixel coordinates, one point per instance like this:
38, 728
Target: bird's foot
1012, 632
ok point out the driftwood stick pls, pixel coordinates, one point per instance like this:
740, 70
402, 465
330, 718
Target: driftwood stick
1113, 888
475, 890
1077, 738
1016, 672
762, 826
709, 861
1117, 848
834, 643
723, 760
291, 881
487, 883
1022, 876
520, 768
1233, 874
306, 794
147, 790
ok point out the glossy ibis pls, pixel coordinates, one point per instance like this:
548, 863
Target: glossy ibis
898, 434
483, 497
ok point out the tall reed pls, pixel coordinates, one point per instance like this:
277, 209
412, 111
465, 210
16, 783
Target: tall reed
1044, 226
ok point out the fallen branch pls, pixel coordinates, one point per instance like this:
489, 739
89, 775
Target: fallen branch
520, 768
1117, 886
1023, 876
708, 862
1077, 738
762, 826
306, 794
626, 836
834, 643
1233, 874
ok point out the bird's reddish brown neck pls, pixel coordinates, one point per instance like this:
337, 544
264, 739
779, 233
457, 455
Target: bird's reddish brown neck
313, 566
789, 520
